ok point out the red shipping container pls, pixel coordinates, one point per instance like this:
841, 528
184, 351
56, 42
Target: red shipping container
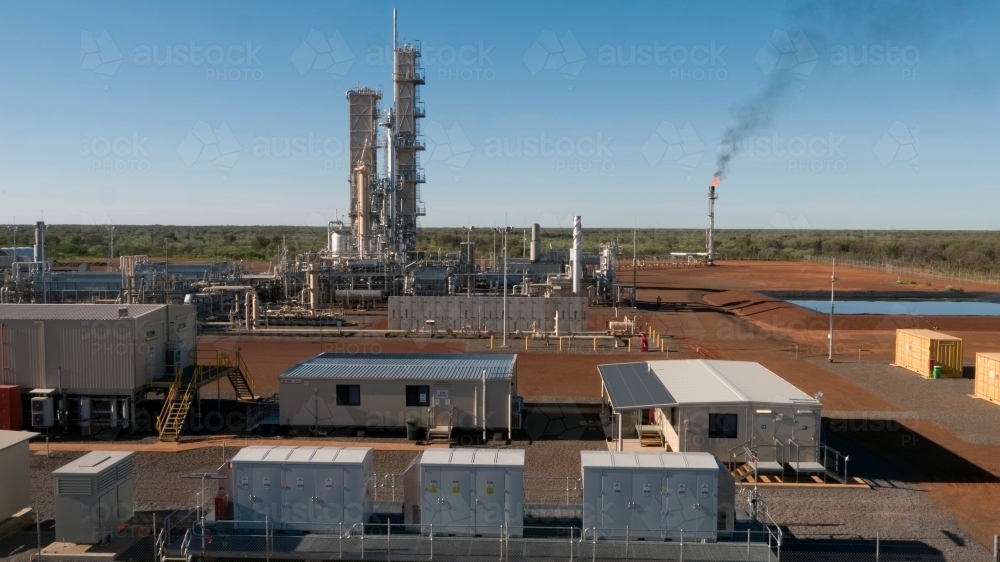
10, 407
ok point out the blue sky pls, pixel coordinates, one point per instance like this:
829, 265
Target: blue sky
535, 111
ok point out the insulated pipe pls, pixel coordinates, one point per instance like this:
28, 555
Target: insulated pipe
576, 255
39, 241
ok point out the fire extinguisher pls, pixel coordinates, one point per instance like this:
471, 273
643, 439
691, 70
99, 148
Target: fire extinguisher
222, 505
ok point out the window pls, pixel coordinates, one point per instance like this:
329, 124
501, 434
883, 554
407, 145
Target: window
722, 426
418, 395
348, 395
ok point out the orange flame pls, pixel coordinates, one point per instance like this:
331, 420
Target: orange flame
715, 181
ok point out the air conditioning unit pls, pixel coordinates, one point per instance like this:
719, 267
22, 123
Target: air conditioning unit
42, 412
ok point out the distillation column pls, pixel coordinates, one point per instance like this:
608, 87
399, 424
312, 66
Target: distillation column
407, 142
577, 255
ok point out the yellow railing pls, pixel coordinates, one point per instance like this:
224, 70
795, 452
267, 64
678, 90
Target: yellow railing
174, 386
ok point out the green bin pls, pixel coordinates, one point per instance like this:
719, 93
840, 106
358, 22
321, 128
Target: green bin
936, 372
412, 431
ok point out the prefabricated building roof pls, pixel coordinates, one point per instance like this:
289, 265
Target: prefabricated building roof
93, 462
472, 457
696, 381
97, 312
404, 366
289, 454
607, 459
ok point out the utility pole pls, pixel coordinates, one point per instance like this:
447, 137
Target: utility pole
468, 256
833, 279
111, 266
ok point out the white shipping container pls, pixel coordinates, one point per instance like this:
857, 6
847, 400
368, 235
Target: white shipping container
93, 494
465, 492
300, 488
651, 495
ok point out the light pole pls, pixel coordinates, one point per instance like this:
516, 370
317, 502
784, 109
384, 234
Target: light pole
833, 279
201, 497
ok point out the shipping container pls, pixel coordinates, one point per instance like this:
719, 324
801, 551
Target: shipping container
922, 350
325, 489
15, 493
465, 492
656, 495
11, 412
93, 494
988, 376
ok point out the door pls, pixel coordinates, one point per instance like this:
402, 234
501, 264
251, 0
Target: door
431, 500
681, 498
705, 506
616, 499
489, 496
266, 489
328, 492
456, 509
647, 503
297, 506
243, 498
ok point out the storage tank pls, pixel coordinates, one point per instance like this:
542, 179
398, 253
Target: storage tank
656, 495
93, 494
465, 492
300, 488
921, 350
339, 243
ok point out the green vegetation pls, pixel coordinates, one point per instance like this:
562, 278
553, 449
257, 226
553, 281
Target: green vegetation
972, 251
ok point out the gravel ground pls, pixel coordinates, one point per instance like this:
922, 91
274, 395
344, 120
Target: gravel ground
945, 402
907, 521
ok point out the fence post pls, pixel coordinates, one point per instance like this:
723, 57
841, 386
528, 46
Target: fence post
996, 548
876, 546
388, 542
432, 541
38, 532
626, 541
571, 544
748, 545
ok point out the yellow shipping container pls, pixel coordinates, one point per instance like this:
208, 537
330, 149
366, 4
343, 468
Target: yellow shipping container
988, 376
920, 350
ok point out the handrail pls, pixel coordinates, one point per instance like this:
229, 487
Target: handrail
174, 386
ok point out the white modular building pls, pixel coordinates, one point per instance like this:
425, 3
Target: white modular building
465, 492
656, 495
384, 390
717, 407
300, 488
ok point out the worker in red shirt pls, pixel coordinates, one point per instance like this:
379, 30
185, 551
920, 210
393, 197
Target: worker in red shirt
643, 343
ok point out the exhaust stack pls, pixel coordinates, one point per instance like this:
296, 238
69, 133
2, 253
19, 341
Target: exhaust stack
710, 243
39, 241
536, 243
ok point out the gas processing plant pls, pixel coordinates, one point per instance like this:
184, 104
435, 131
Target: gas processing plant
368, 263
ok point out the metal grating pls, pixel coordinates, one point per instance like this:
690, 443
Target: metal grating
69, 486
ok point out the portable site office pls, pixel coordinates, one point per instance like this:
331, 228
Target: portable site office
384, 390
300, 488
717, 407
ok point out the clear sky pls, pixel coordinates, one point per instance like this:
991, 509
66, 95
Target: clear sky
234, 112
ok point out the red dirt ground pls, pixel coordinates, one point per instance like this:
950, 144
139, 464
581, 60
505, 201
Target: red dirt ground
713, 312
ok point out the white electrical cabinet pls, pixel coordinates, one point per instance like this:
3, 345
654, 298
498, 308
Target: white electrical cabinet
300, 488
651, 495
93, 494
465, 492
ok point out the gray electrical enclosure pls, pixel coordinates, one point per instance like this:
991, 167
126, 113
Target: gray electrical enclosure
300, 488
652, 495
465, 491
93, 494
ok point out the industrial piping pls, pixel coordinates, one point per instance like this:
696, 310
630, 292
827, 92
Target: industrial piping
577, 257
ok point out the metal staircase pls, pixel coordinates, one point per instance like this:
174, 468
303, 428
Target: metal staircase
177, 404
186, 383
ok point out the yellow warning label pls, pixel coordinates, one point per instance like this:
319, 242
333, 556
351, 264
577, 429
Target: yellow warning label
454, 486
433, 487
489, 488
